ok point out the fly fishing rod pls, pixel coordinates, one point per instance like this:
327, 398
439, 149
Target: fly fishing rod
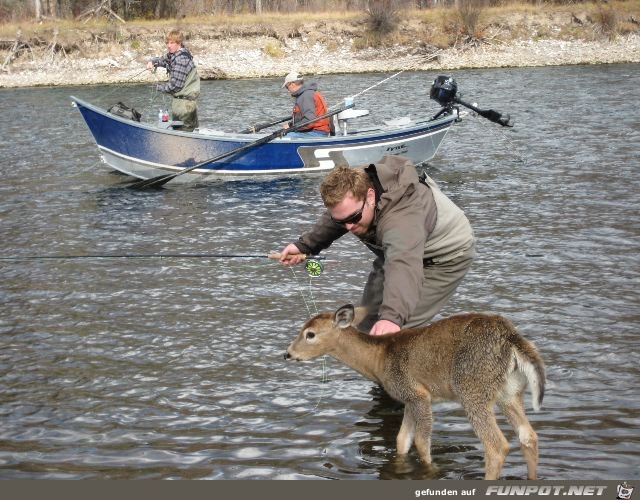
272, 256
312, 263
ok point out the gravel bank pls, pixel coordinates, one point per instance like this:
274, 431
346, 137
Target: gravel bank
246, 58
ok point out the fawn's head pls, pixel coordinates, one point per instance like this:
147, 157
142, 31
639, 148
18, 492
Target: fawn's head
319, 335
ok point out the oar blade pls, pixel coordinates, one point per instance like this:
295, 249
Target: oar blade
154, 182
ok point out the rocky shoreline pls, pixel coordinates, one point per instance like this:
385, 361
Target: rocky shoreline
245, 57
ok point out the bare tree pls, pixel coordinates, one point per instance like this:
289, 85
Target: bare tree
38, 8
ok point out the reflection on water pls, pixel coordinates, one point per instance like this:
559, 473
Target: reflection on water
172, 368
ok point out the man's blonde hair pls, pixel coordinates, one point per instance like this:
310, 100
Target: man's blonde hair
342, 180
175, 36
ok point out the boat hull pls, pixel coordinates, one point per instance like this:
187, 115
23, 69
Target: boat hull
146, 151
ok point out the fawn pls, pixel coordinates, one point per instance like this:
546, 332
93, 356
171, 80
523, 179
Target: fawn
477, 359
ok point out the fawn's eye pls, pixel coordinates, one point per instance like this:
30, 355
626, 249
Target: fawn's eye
310, 335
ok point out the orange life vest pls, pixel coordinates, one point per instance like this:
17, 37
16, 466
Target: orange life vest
321, 109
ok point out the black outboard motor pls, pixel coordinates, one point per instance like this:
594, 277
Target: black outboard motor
444, 90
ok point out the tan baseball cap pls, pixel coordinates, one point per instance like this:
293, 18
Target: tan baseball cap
294, 76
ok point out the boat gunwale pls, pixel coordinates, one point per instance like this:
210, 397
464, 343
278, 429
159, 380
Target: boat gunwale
351, 138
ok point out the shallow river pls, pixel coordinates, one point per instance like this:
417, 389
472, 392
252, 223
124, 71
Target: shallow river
173, 368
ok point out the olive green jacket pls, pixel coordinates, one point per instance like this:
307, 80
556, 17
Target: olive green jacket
414, 225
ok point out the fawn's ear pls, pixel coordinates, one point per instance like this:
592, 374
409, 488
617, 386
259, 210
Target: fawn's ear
344, 316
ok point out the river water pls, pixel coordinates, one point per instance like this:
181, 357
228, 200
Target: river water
173, 368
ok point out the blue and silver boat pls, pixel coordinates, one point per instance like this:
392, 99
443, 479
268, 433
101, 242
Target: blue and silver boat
146, 150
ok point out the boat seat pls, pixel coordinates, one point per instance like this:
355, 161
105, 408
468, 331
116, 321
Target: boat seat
349, 114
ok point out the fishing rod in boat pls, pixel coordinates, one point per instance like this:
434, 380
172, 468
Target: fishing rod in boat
259, 126
444, 90
376, 84
423, 59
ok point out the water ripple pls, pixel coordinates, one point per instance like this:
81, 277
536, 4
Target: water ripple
173, 369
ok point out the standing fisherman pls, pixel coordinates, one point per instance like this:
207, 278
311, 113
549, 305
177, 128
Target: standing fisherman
184, 82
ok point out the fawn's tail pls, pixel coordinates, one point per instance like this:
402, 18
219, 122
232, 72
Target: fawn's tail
530, 364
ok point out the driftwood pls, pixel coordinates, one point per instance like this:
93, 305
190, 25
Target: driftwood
55, 48
104, 7
46, 50
15, 47
12, 54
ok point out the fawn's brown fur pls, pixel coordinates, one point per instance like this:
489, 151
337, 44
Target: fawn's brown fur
477, 359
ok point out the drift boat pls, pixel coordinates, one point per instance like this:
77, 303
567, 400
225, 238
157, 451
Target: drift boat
146, 150
159, 154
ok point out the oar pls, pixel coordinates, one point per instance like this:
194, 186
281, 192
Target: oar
259, 126
272, 256
163, 179
489, 114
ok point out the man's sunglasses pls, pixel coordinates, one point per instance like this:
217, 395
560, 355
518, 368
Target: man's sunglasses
354, 218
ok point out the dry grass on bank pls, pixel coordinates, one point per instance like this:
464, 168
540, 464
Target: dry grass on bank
225, 23
442, 27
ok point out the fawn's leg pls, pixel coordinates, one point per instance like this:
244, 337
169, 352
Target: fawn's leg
407, 432
420, 411
496, 447
514, 411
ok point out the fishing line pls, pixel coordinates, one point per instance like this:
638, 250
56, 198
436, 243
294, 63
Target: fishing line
314, 269
304, 299
515, 150
313, 272
119, 85
155, 94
